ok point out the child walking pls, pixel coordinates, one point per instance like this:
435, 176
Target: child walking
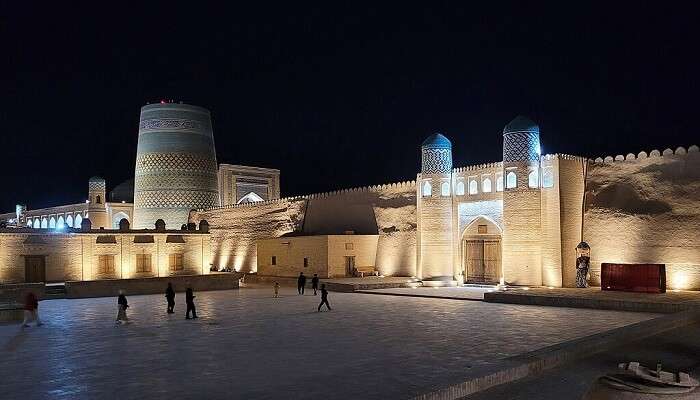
277, 289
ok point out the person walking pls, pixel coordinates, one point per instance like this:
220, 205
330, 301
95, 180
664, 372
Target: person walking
31, 310
189, 299
314, 283
277, 289
301, 282
122, 305
170, 296
324, 298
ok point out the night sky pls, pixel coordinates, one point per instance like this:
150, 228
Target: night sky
335, 96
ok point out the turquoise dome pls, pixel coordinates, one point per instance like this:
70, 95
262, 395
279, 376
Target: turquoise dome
437, 141
521, 124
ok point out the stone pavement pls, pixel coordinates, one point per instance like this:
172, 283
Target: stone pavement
247, 344
677, 350
593, 297
454, 293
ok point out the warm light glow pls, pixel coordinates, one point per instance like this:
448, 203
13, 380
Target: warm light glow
680, 280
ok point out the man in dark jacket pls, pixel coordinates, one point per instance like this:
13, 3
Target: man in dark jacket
301, 282
324, 298
170, 296
122, 305
314, 283
189, 299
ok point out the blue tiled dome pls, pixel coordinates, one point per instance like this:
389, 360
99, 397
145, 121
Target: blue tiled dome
436, 141
521, 124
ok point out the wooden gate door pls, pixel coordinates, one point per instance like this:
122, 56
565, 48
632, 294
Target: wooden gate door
34, 269
492, 260
474, 260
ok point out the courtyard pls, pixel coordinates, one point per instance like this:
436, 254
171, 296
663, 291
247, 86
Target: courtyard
247, 344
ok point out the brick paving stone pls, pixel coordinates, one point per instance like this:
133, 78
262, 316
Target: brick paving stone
249, 345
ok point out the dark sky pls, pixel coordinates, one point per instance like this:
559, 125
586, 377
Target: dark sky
335, 96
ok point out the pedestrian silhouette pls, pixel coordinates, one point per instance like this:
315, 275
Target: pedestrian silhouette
170, 296
189, 299
122, 305
324, 298
314, 283
31, 310
301, 282
277, 289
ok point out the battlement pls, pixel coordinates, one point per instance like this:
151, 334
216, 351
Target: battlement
477, 167
373, 188
561, 156
363, 189
680, 151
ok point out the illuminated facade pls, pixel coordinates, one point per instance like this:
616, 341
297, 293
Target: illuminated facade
101, 212
518, 220
44, 255
175, 164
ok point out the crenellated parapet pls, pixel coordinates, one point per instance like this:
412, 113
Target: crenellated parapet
405, 185
561, 156
364, 189
478, 167
680, 151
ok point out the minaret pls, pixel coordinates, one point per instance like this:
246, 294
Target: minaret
97, 210
434, 186
175, 164
522, 254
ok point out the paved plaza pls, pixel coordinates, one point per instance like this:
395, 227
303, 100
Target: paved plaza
249, 345
676, 350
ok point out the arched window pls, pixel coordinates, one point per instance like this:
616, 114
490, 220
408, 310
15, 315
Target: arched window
29, 223
473, 187
486, 185
117, 218
78, 221
460, 188
427, 189
60, 223
37, 224
445, 189
44, 223
52, 223
511, 180
499, 183
251, 197
533, 179
98, 199
69, 221
547, 178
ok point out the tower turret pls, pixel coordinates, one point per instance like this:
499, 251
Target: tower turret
97, 210
522, 259
435, 252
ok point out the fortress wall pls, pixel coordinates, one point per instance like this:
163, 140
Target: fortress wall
522, 255
63, 256
235, 229
74, 256
551, 223
571, 188
388, 210
645, 209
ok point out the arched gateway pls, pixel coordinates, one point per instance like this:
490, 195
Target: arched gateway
481, 251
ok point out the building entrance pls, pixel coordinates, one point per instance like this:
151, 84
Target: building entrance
34, 269
349, 265
482, 260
